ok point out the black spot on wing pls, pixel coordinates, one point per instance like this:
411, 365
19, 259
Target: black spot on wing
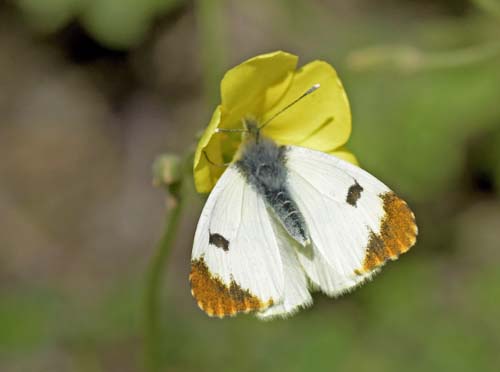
219, 241
354, 193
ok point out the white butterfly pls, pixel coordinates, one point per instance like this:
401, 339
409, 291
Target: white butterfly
285, 220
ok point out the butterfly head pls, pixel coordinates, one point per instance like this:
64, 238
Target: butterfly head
252, 129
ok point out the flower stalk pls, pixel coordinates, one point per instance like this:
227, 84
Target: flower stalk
169, 173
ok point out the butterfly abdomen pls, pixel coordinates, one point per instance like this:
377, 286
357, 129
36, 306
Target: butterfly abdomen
289, 214
263, 163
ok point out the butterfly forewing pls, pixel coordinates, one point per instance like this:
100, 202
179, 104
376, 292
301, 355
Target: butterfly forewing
236, 263
356, 223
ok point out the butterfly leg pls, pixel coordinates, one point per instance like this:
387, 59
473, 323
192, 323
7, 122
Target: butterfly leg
223, 130
224, 165
245, 129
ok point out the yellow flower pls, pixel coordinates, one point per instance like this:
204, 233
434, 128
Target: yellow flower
259, 88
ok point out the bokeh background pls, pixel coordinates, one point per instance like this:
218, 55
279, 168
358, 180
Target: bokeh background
91, 91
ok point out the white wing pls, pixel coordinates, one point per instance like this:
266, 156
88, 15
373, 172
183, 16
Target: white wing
295, 292
238, 262
356, 223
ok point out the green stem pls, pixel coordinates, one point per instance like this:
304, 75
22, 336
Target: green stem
156, 273
461, 57
407, 58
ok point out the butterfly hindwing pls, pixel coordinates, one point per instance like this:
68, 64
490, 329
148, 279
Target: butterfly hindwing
295, 291
356, 223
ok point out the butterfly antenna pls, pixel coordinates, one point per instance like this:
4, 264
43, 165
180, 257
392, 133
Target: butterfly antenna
305, 94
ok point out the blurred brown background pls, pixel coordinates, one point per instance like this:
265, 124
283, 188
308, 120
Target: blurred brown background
91, 91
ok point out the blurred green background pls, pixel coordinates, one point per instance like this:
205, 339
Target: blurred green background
91, 91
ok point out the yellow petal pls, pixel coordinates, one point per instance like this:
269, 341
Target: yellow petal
320, 121
345, 155
245, 89
259, 81
206, 174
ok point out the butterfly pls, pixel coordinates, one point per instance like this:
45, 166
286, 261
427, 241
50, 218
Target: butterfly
283, 221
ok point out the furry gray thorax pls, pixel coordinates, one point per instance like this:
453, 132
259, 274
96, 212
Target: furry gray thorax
263, 164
